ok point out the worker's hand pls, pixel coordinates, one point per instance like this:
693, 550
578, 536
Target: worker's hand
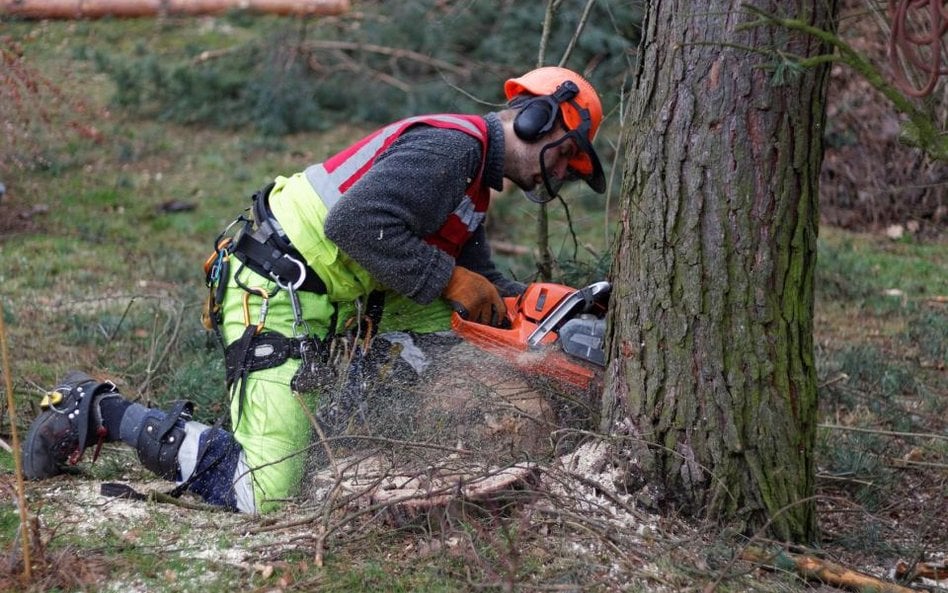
475, 298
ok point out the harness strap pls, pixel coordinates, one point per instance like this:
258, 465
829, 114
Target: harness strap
375, 306
257, 352
238, 372
264, 257
267, 250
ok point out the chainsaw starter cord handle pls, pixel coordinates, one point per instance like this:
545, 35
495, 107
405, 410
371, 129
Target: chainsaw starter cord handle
475, 298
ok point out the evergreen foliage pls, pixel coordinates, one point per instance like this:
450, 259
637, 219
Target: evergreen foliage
384, 61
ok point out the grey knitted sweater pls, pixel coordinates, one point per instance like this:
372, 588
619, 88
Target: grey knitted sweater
407, 194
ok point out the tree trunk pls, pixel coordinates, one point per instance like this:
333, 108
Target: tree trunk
711, 367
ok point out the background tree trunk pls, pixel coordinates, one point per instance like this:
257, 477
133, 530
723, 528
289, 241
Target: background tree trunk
711, 352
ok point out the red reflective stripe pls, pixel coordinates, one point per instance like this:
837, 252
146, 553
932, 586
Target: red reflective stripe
357, 176
454, 229
448, 247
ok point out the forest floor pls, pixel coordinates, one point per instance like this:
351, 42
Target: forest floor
566, 524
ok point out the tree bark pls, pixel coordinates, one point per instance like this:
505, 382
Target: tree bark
711, 367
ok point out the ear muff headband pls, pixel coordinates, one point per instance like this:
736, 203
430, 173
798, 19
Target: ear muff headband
538, 114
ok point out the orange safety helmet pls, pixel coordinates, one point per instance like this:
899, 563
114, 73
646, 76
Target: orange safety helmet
564, 93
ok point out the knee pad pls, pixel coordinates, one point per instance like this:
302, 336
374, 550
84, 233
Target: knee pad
161, 437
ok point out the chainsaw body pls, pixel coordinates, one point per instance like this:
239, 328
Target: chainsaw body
553, 330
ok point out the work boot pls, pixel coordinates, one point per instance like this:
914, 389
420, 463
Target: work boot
71, 421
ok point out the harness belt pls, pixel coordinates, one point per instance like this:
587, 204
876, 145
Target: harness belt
264, 351
265, 249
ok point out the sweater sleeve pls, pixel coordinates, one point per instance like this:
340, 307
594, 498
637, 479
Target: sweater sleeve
406, 195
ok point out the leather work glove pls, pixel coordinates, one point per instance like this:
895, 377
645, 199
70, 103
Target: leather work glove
475, 298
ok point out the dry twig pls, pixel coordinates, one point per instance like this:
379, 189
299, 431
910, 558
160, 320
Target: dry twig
18, 467
394, 52
918, 435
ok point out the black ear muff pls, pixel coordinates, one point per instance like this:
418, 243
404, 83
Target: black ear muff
535, 119
538, 114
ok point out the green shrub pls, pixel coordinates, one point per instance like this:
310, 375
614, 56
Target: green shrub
398, 59
199, 376
927, 331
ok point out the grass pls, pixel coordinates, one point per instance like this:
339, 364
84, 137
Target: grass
103, 278
881, 343
890, 346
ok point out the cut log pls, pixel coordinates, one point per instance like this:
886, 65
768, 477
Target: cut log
457, 495
936, 571
816, 569
92, 9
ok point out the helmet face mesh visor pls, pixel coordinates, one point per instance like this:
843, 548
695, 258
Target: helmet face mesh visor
585, 165
586, 162
551, 185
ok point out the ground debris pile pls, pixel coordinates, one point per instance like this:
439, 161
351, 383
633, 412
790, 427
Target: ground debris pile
404, 496
584, 480
572, 510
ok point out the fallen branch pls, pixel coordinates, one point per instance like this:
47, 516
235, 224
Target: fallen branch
394, 52
405, 505
893, 433
903, 463
922, 570
828, 572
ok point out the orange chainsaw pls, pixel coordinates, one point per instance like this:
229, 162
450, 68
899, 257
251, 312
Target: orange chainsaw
553, 330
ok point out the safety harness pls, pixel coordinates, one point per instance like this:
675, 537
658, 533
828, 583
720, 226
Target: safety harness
261, 245
265, 249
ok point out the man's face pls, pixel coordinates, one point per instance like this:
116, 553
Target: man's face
525, 168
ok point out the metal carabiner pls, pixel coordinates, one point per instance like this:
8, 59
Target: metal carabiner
291, 289
364, 328
264, 306
300, 327
299, 282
